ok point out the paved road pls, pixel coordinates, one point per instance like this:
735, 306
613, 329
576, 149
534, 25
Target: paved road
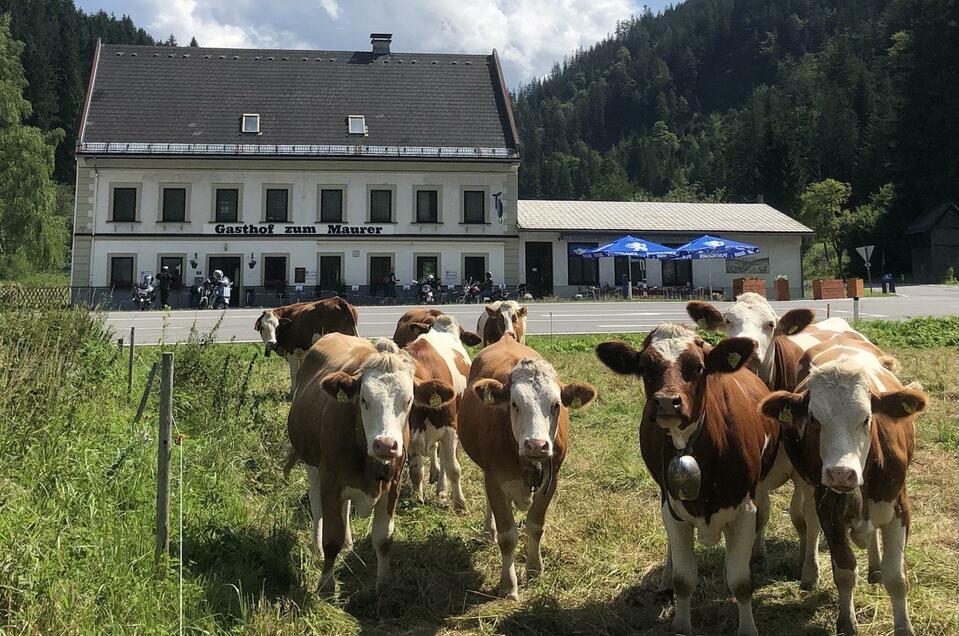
544, 318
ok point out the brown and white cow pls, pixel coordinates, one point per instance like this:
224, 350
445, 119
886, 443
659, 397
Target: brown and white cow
849, 430
780, 343
514, 422
349, 424
701, 402
439, 355
290, 330
502, 317
418, 321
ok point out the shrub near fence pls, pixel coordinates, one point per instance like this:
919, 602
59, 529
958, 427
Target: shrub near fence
20, 297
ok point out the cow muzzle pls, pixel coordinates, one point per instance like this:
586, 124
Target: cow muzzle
536, 449
269, 348
386, 447
841, 478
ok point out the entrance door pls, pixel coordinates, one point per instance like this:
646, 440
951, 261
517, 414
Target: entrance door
230, 266
380, 267
539, 268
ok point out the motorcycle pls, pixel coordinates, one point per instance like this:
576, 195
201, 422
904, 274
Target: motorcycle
470, 294
214, 295
144, 295
425, 291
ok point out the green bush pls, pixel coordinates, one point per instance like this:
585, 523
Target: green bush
916, 333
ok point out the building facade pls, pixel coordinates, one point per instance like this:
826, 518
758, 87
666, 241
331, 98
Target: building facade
934, 244
333, 171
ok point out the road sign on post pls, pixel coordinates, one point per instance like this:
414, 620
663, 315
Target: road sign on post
866, 253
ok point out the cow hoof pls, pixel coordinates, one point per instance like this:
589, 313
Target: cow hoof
459, 507
905, 630
846, 628
509, 594
874, 576
533, 573
434, 475
808, 585
748, 631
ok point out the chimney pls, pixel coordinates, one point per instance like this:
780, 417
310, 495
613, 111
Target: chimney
381, 43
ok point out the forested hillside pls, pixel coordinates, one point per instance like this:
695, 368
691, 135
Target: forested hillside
736, 99
58, 42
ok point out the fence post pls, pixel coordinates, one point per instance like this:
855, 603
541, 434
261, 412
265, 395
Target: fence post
855, 309
827, 311
163, 456
130, 365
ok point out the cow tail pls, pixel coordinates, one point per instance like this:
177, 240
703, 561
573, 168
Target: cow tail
291, 460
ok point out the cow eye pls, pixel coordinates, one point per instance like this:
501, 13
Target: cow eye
770, 325
515, 407
556, 407
866, 422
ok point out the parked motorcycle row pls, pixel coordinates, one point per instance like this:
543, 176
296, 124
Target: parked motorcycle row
213, 293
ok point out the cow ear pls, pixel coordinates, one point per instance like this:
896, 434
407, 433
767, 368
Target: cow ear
522, 311
729, 355
705, 315
432, 394
492, 310
794, 321
491, 391
900, 404
619, 357
341, 385
577, 394
418, 327
785, 407
258, 324
469, 338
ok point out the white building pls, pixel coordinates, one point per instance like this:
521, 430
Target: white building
294, 170
552, 231
306, 173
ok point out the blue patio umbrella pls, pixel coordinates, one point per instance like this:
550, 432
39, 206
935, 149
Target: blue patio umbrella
631, 247
707, 246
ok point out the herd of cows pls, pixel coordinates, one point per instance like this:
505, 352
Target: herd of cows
778, 399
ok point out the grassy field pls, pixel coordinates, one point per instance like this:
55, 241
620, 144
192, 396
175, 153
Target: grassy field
77, 505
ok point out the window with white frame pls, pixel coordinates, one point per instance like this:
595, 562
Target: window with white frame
250, 123
357, 124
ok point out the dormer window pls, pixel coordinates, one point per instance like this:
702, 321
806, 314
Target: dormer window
357, 124
250, 123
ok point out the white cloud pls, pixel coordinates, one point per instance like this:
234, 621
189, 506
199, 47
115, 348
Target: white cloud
530, 35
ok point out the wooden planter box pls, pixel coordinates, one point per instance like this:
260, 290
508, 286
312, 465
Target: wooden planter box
743, 285
855, 288
827, 288
782, 289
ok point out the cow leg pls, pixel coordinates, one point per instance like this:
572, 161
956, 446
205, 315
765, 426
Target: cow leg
316, 508
758, 557
506, 537
894, 535
382, 539
416, 476
685, 568
740, 540
875, 559
666, 579
808, 521
490, 524
348, 535
535, 523
434, 464
450, 466
291, 360
334, 533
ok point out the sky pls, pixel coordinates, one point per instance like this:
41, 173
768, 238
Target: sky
529, 35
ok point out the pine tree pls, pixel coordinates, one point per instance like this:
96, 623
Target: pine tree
193, 42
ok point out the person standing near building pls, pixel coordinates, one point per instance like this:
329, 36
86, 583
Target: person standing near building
165, 280
390, 285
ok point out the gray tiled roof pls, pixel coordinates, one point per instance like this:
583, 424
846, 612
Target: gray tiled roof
146, 94
652, 216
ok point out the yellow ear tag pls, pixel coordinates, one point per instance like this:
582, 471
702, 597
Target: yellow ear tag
908, 408
793, 329
488, 396
435, 400
341, 396
576, 403
786, 415
701, 323
734, 359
